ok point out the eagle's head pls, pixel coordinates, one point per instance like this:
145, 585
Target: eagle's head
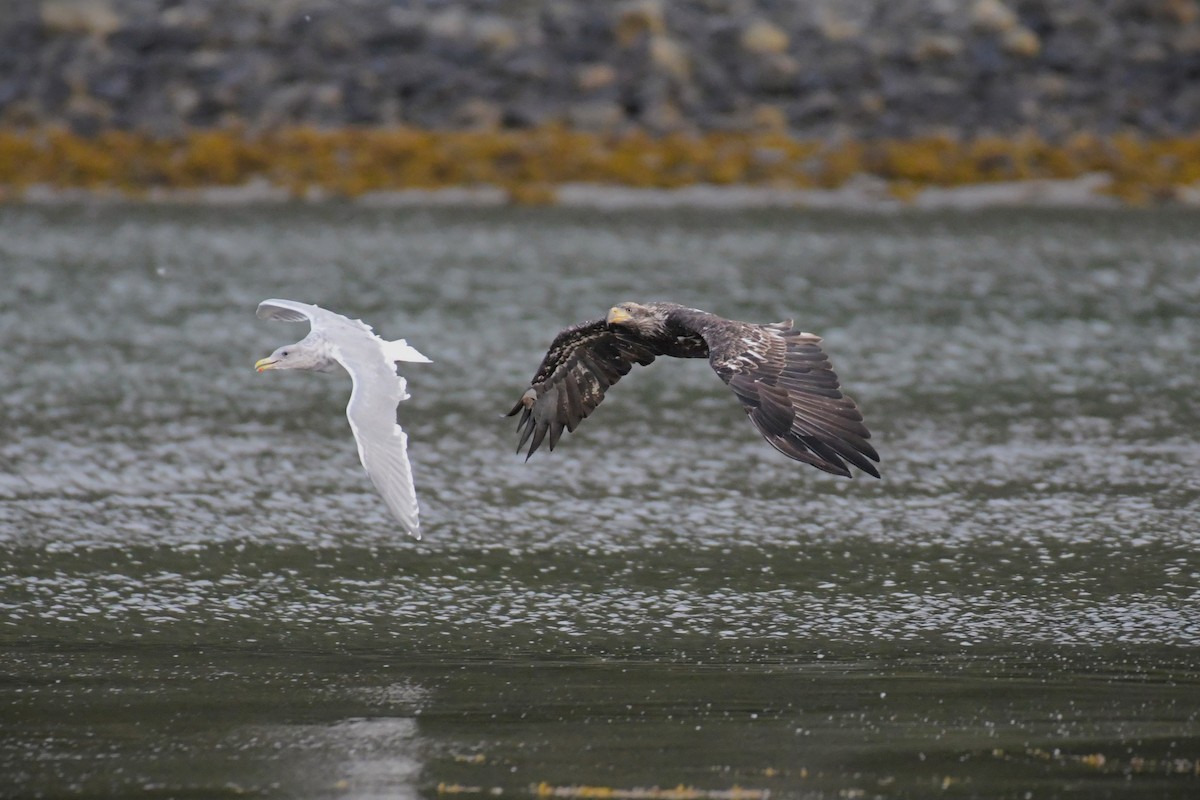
648, 321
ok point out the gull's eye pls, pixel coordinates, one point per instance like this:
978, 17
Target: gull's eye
283, 354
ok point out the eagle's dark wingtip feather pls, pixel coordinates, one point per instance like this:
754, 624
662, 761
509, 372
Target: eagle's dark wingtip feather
539, 434
861, 454
532, 447
526, 432
835, 468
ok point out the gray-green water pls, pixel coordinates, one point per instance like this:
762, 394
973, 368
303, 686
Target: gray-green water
201, 595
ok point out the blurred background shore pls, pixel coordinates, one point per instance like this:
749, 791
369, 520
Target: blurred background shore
886, 101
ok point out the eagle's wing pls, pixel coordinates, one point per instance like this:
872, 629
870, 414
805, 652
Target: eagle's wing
790, 391
582, 362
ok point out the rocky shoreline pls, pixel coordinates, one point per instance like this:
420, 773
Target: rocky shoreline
863, 69
825, 103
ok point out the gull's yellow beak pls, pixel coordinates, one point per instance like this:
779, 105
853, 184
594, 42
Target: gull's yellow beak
263, 363
617, 315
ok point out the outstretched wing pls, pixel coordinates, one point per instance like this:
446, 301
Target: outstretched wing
289, 311
790, 391
385, 457
582, 362
382, 444
321, 318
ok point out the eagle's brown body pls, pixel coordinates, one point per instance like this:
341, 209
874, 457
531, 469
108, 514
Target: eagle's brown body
781, 376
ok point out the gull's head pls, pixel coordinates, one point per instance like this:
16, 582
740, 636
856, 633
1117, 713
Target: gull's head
291, 356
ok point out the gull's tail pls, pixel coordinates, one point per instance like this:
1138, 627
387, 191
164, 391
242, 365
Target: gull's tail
401, 350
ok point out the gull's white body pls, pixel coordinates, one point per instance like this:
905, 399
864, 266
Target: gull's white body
370, 360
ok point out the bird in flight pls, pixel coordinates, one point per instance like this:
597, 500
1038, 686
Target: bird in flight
782, 377
377, 389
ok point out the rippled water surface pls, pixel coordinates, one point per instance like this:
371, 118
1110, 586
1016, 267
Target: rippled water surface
202, 595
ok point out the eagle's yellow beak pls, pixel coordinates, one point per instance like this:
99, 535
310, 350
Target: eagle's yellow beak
263, 363
617, 315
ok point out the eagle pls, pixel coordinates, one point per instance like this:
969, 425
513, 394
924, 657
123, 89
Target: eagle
781, 375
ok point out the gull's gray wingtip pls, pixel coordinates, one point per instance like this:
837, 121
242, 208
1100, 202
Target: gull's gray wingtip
276, 308
264, 306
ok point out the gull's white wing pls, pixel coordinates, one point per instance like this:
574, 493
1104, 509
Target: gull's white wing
324, 320
321, 318
288, 311
382, 444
